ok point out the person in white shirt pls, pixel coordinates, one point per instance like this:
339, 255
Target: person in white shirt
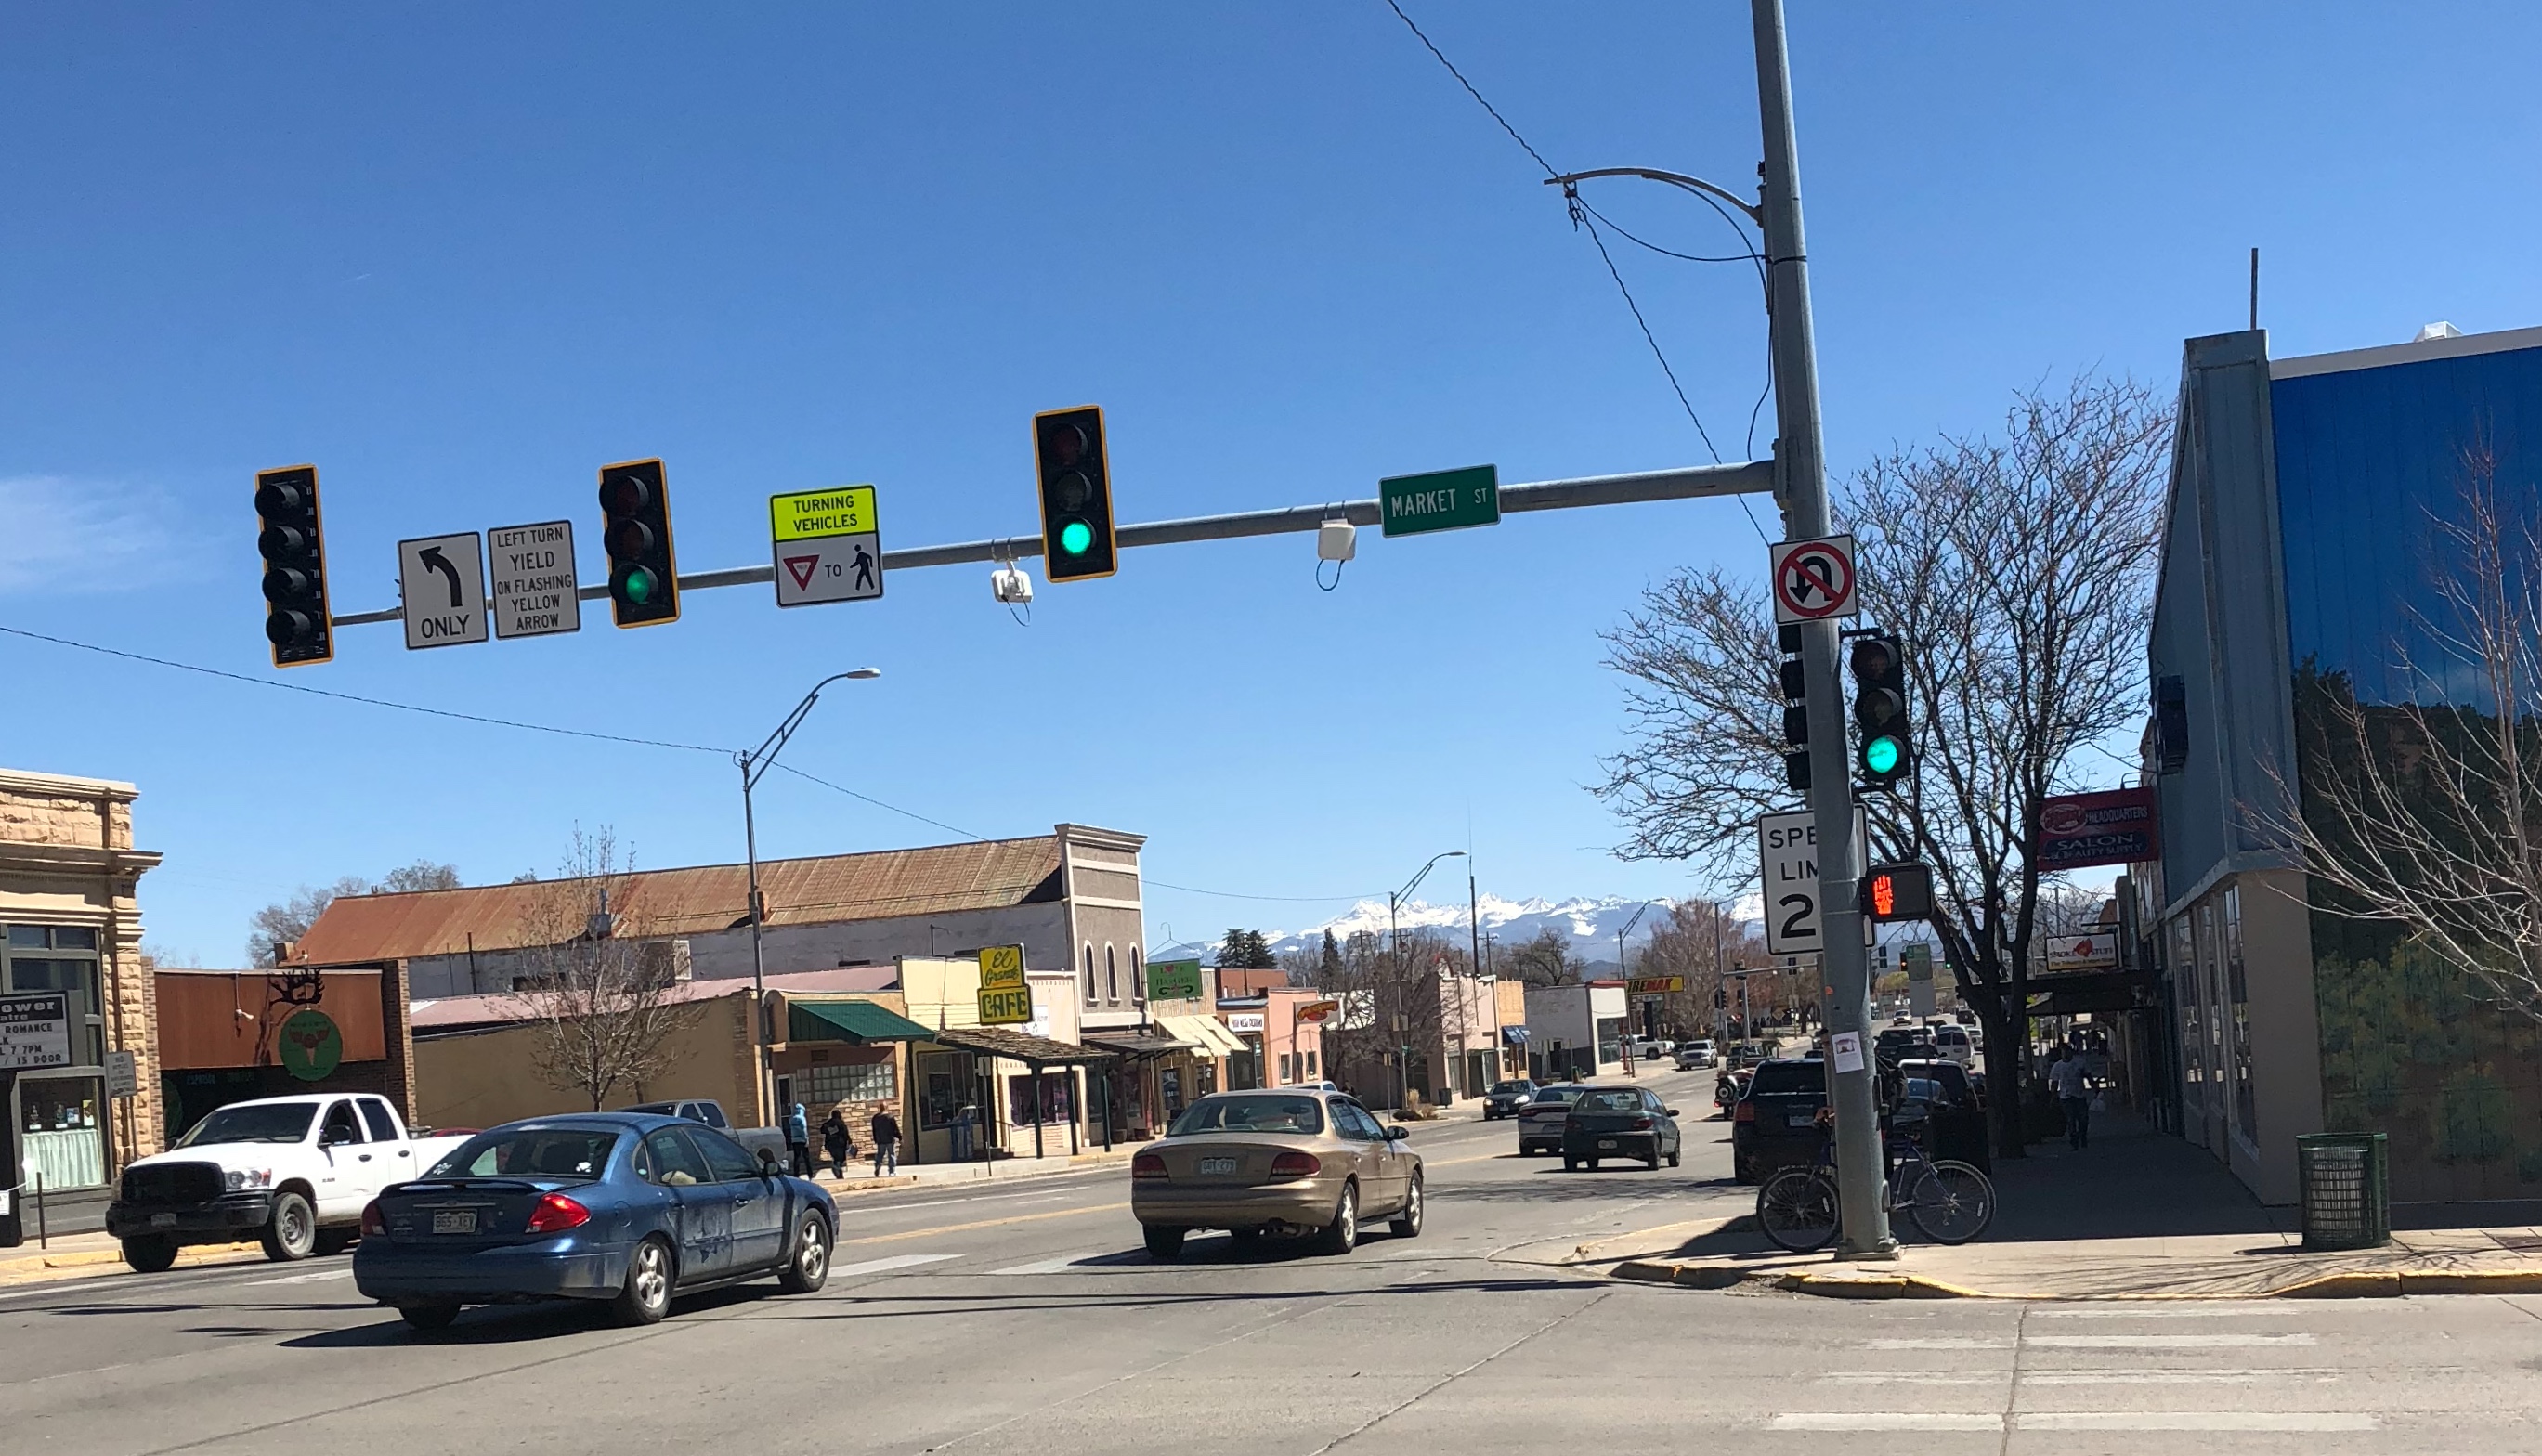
2066, 1074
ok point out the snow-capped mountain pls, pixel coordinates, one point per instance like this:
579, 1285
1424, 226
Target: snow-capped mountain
1589, 923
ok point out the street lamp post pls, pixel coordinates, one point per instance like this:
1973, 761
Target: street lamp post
1649, 1023
1395, 938
755, 765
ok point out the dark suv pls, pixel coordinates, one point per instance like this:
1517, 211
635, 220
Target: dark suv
1955, 1117
1775, 1122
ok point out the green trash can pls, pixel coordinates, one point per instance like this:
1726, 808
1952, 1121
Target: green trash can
2346, 1197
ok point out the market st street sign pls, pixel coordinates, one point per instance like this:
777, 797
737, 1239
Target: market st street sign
1443, 500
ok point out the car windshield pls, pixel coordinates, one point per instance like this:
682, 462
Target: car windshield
1790, 1076
282, 1123
1557, 1096
1609, 1102
1252, 1113
1509, 1086
561, 1154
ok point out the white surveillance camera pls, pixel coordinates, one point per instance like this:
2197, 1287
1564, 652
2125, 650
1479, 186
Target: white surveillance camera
1336, 540
1009, 584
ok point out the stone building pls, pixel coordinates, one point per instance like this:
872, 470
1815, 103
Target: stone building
68, 883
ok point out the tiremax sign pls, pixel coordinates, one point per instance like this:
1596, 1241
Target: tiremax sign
2114, 827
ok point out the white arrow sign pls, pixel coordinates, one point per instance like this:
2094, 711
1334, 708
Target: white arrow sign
442, 582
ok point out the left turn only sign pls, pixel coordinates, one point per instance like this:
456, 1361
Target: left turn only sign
441, 580
827, 545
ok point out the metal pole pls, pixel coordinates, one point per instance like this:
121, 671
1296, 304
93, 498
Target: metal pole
1860, 1174
758, 973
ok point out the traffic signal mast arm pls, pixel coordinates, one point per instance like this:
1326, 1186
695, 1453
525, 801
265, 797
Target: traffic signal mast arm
1751, 478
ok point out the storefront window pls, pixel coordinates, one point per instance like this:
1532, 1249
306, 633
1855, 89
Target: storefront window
2192, 1034
945, 1087
1055, 1105
37, 962
822, 1087
2246, 1104
1610, 1038
61, 1136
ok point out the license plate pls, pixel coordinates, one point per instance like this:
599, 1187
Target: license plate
1216, 1165
1801, 1120
162, 1220
1606, 1142
455, 1221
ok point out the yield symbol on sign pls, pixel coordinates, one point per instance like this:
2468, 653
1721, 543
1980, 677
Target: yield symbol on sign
432, 560
801, 569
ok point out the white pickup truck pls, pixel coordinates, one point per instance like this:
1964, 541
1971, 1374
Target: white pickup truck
294, 1171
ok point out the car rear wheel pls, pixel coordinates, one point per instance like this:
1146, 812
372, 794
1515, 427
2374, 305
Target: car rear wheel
1164, 1244
150, 1254
429, 1315
1342, 1234
1653, 1161
291, 1230
1407, 1220
647, 1295
810, 1269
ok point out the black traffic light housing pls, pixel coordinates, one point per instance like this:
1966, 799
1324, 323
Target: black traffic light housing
1898, 892
1076, 475
1796, 710
1884, 752
636, 531
294, 547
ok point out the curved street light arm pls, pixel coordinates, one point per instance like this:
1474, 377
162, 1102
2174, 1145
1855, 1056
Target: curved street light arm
755, 762
1407, 892
1746, 210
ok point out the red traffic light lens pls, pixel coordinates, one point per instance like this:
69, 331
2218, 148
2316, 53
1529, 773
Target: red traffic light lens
281, 498
1871, 658
1064, 444
624, 495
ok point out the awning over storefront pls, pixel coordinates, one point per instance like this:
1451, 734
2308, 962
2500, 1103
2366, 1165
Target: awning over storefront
1135, 1044
1515, 1036
1015, 1046
1207, 1032
858, 1022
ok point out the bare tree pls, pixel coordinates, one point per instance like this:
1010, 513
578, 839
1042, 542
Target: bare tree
286, 922
2018, 573
1699, 940
1547, 960
2426, 813
603, 1004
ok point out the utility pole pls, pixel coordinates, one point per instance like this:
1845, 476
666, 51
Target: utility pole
1861, 1172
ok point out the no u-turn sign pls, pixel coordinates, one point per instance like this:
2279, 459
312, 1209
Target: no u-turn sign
1814, 579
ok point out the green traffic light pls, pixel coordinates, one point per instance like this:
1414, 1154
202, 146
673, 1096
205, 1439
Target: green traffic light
637, 587
1881, 754
1076, 536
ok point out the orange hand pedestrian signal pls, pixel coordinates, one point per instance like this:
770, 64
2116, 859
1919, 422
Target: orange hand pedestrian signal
1898, 892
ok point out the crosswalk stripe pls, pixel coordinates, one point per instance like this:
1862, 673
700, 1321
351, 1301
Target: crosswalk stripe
2229, 1376
885, 1266
2093, 1342
307, 1279
1059, 1265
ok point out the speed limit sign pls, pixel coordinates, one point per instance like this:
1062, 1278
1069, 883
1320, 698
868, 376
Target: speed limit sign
1787, 853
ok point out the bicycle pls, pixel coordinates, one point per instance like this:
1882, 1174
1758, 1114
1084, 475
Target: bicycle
1950, 1201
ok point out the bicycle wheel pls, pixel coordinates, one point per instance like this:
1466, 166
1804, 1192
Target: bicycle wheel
1952, 1202
1796, 1209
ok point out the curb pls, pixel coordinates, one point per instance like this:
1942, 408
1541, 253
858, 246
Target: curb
49, 1266
2352, 1285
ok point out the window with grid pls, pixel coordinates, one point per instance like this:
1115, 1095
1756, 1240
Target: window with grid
823, 1086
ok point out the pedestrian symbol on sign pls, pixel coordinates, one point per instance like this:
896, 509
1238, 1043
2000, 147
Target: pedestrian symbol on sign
865, 564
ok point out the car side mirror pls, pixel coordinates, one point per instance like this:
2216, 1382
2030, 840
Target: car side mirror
767, 1159
1672, 1112
1394, 1132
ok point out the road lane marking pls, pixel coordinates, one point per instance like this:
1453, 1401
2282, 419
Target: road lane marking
925, 1233
1059, 1265
2157, 1312
2095, 1341
1038, 1198
2186, 1421
885, 1266
307, 1279
2229, 1376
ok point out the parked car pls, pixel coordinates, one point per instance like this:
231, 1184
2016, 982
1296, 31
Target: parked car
708, 1111
1652, 1049
1540, 1123
626, 1208
1691, 1056
1286, 1162
1619, 1122
1750, 1053
293, 1172
1954, 1115
1775, 1122
1507, 1097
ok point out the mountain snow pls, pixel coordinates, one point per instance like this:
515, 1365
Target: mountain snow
1589, 923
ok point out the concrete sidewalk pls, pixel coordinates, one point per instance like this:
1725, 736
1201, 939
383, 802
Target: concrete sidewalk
2138, 1215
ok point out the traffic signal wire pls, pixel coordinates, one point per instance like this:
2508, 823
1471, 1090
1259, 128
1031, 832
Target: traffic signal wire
949, 828
406, 708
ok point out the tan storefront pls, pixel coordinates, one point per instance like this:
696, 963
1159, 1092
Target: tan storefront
68, 882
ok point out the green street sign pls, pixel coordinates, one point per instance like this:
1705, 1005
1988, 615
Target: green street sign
1173, 981
309, 1046
1443, 500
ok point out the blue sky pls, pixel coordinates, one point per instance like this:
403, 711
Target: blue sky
462, 256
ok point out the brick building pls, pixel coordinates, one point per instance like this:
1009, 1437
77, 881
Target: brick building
70, 924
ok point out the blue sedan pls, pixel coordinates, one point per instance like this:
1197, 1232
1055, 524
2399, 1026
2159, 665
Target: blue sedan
625, 1207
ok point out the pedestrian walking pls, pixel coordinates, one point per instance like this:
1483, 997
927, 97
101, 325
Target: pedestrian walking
798, 1141
2066, 1073
838, 1143
886, 1138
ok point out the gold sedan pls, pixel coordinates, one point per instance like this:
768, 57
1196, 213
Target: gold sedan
1281, 1163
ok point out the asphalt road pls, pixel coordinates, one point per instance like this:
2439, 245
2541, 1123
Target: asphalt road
1023, 1318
